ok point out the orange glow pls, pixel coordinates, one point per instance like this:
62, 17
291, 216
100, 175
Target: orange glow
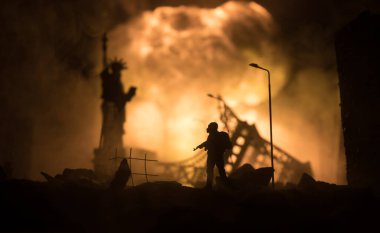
179, 54
176, 55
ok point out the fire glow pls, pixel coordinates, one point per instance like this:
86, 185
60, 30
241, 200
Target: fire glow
177, 55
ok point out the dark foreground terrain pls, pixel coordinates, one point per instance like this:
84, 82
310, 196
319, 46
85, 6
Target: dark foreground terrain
28, 206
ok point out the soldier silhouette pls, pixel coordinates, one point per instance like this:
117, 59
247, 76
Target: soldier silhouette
216, 145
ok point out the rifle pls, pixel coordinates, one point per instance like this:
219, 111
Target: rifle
200, 146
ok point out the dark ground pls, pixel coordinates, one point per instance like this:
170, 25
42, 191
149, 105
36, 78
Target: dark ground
28, 206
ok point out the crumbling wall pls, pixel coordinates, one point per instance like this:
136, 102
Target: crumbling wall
358, 51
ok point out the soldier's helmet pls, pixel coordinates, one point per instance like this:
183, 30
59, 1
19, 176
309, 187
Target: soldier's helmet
117, 65
212, 127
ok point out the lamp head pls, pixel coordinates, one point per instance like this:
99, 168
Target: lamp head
215, 97
254, 65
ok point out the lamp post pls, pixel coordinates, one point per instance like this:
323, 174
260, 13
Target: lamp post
254, 65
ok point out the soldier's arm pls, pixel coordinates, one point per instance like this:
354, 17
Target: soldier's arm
200, 146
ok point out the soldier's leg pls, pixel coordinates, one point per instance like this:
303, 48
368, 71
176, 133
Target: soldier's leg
222, 171
210, 170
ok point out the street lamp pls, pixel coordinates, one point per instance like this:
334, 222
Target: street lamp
254, 65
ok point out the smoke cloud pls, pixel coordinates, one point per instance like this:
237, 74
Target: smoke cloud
50, 91
49, 98
179, 54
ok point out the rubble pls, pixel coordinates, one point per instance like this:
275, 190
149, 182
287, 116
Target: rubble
48, 177
246, 177
79, 173
307, 182
80, 176
121, 176
171, 207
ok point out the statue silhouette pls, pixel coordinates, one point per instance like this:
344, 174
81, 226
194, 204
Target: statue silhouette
114, 101
112, 86
113, 111
216, 145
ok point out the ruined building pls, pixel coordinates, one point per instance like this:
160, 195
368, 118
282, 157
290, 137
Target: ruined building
358, 51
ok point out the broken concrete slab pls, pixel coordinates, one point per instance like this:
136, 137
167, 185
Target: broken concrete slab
121, 176
246, 177
79, 173
48, 177
307, 182
81, 177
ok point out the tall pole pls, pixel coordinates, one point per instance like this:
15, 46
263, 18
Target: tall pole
104, 47
270, 126
270, 118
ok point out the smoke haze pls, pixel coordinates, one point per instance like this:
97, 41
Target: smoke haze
50, 91
49, 55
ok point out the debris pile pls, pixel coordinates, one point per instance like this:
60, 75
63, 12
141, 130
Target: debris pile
307, 182
170, 207
80, 176
247, 178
